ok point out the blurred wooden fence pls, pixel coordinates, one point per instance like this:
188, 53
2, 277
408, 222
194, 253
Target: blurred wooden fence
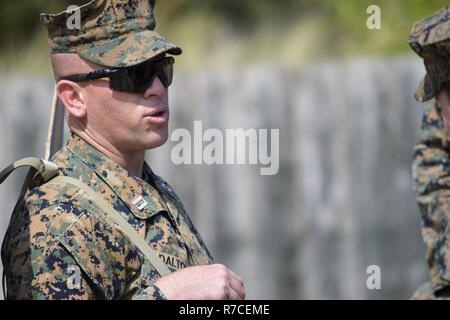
342, 198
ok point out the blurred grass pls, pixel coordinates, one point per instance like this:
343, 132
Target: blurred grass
235, 33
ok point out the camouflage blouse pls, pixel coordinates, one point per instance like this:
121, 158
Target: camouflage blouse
431, 174
59, 245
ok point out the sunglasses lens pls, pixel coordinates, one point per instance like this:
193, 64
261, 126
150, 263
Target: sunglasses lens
166, 72
138, 78
121, 81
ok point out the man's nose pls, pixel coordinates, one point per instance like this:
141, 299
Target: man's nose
155, 89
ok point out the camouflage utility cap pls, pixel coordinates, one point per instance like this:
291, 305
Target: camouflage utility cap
112, 33
430, 39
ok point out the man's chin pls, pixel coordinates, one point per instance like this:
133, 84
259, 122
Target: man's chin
156, 141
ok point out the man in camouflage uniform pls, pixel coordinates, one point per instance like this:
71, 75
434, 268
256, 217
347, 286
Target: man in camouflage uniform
430, 39
59, 244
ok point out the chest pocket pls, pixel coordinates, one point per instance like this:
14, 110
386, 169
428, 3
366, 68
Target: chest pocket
90, 257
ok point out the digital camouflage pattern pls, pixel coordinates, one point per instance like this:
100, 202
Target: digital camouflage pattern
113, 33
428, 39
59, 245
431, 176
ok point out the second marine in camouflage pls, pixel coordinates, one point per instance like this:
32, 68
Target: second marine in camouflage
430, 39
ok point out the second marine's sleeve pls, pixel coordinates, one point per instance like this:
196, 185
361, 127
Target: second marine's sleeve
431, 182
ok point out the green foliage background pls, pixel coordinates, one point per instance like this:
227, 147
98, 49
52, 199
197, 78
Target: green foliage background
236, 32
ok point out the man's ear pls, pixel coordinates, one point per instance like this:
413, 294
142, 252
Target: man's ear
72, 96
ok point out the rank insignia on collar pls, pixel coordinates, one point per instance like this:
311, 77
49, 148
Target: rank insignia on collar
140, 203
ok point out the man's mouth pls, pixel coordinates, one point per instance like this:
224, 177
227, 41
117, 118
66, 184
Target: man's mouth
158, 116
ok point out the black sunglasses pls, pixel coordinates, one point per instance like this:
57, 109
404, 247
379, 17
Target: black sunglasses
135, 79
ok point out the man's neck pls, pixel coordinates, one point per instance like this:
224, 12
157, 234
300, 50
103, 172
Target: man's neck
133, 163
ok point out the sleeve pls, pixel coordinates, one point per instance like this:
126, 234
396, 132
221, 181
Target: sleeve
431, 183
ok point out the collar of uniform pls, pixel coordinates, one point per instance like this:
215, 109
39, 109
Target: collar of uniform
126, 187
